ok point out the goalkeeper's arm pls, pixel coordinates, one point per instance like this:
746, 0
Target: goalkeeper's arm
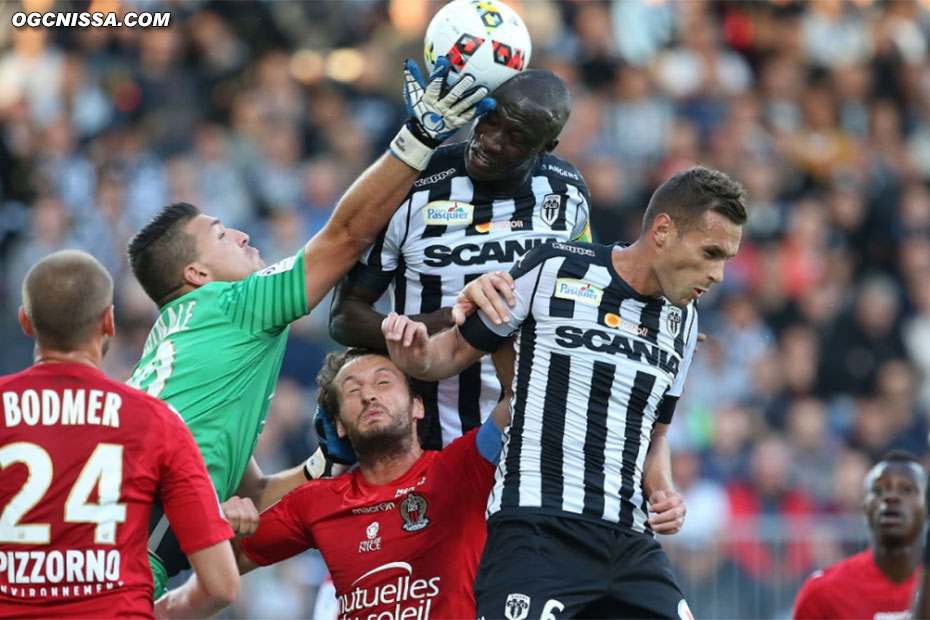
367, 206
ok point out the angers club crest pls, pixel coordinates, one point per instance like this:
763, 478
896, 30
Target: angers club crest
413, 512
552, 210
517, 606
674, 321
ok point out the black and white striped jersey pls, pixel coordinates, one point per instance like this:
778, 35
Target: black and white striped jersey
451, 230
597, 365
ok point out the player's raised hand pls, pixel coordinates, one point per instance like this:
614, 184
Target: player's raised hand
668, 512
407, 342
242, 515
436, 110
492, 293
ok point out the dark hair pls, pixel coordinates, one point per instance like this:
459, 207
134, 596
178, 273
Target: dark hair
689, 193
64, 296
902, 456
327, 396
160, 251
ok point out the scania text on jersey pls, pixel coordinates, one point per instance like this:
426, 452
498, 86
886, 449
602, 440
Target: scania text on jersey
411, 598
474, 254
599, 341
59, 573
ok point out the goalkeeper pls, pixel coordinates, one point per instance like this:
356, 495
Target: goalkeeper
215, 351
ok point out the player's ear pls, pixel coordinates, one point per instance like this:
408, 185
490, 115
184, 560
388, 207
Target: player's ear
108, 322
662, 229
419, 412
548, 147
340, 429
24, 323
195, 275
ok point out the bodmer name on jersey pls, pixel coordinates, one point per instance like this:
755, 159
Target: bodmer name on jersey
69, 408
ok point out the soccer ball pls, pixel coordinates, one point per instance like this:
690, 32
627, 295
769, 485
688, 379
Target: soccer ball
485, 38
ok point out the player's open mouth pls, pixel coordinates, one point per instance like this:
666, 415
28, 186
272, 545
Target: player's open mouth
697, 292
890, 517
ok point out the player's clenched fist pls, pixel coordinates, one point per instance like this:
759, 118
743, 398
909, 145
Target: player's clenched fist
668, 512
241, 514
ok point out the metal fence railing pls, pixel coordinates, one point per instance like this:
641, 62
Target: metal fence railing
753, 568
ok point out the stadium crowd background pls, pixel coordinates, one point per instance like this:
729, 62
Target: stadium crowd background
818, 352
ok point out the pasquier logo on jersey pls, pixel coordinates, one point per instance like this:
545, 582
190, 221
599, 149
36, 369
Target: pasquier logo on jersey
413, 512
448, 213
390, 592
578, 290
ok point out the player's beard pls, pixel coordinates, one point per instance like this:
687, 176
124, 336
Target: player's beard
384, 441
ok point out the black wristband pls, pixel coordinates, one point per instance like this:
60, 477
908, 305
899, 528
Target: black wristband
417, 130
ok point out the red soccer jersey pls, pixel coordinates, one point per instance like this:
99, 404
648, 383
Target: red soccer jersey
409, 548
81, 459
855, 588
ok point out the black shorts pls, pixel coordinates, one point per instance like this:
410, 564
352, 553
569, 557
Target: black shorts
548, 567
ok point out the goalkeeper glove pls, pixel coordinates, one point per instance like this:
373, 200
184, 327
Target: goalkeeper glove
436, 111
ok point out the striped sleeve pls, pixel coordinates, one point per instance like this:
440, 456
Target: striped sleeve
480, 332
679, 383
375, 270
581, 231
270, 299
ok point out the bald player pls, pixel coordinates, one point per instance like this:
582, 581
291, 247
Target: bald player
82, 458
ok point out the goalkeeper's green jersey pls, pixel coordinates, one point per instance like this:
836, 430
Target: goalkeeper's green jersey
214, 355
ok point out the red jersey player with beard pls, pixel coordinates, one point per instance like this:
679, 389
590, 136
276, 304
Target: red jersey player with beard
82, 458
880, 581
401, 533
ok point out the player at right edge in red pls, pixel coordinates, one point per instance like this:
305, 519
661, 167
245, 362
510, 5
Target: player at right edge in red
880, 581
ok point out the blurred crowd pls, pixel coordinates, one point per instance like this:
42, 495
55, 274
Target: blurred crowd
817, 360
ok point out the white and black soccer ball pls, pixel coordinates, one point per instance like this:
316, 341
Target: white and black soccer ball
485, 38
